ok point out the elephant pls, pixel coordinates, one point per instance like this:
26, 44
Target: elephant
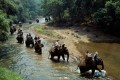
46, 19
38, 47
30, 22
12, 30
90, 65
29, 41
20, 39
59, 51
37, 20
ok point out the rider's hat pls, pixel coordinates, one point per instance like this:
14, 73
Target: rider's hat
96, 52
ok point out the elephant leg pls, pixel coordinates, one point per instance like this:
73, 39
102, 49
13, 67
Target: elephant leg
102, 64
98, 69
63, 57
52, 57
93, 71
58, 57
39, 50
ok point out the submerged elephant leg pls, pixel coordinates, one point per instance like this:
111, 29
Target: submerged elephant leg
93, 71
58, 57
98, 69
52, 56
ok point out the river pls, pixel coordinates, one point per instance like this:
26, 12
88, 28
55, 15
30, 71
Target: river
32, 66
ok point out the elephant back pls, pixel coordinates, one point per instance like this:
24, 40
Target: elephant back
82, 63
52, 49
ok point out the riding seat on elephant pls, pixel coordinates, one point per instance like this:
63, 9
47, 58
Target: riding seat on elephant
38, 47
59, 51
29, 42
89, 64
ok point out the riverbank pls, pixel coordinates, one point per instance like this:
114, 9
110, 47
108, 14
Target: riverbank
72, 35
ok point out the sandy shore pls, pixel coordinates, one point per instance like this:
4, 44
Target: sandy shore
70, 36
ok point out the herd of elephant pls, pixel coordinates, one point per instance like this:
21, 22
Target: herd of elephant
61, 51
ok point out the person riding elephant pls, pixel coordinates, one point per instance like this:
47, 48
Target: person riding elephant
20, 32
91, 65
14, 28
11, 30
29, 40
96, 58
38, 47
59, 51
20, 38
88, 57
20, 24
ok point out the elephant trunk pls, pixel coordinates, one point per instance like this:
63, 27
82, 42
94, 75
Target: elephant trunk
102, 66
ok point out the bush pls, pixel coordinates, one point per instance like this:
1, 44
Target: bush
4, 24
101, 17
5, 74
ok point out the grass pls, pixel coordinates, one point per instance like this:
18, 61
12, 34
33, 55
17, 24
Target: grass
42, 30
5, 74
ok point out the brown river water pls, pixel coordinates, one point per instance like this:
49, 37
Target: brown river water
32, 66
109, 52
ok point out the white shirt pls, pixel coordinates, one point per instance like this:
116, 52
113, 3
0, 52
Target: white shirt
56, 43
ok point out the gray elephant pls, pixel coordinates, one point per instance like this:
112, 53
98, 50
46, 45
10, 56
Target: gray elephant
91, 65
20, 39
38, 47
59, 51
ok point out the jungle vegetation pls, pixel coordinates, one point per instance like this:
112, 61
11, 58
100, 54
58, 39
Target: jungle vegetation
16, 10
104, 14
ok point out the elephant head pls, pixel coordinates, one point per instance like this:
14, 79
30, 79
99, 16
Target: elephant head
65, 51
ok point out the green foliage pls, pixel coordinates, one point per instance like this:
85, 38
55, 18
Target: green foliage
3, 26
110, 14
101, 17
18, 10
5, 74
